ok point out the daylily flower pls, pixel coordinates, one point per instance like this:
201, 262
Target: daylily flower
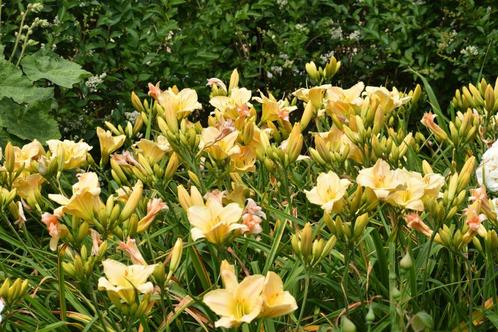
409, 194
380, 178
130, 247
214, 221
154, 206
32, 151
276, 301
55, 229
72, 154
123, 280
219, 146
237, 303
329, 189
109, 143
29, 188
234, 105
252, 216
487, 171
154, 151
414, 221
85, 200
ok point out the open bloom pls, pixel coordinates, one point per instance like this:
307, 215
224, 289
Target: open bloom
409, 194
487, 171
109, 143
276, 301
72, 154
329, 189
218, 144
237, 303
29, 188
85, 200
214, 221
380, 178
123, 280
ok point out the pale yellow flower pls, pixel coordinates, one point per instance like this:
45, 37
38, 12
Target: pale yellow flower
123, 280
380, 178
237, 303
214, 221
409, 194
433, 183
30, 152
329, 189
29, 187
219, 145
235, 105
72, 154
154, 151
276, 301
85, 200
181, 103
108, 142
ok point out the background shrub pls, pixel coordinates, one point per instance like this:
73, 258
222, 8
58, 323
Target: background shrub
126, 44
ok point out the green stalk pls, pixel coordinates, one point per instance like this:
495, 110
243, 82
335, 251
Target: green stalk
18, 37
62, 291
305, 297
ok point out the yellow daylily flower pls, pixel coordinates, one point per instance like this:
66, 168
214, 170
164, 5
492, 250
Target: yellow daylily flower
181, 103
237, 303
29, 188
344, 102
71, 154
329, 189
380, 178
109, 143
235, 105
274, 109
123, 280
85, 200
219, 145
409, 194
154, 151
28, 153
214, 221
276, 301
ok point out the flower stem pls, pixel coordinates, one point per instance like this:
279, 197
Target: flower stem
305, 297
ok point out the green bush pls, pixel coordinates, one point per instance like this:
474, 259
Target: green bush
128, 43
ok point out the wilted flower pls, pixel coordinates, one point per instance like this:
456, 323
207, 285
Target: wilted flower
154, 206
130, 247
55, 229
414, 221
329, 189
252, 217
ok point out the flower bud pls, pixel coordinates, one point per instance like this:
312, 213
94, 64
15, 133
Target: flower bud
176, 255
132, 201
135, 101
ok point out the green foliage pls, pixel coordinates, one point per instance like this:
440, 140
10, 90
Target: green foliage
59, 71
130, 43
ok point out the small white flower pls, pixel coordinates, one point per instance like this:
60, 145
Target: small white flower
2, 305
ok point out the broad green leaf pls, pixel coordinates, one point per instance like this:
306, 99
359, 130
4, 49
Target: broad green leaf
28, 122
13, 84
53, 68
